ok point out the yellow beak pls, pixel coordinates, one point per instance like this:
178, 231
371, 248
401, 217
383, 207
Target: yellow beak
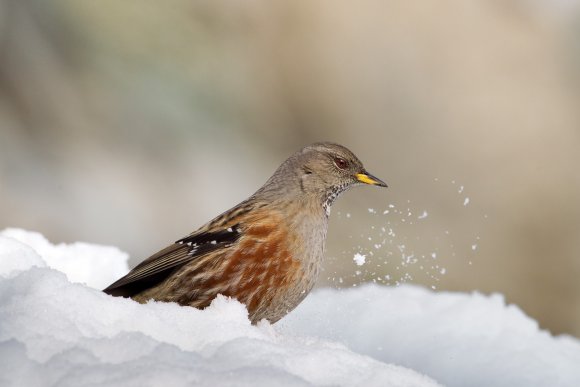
367, 178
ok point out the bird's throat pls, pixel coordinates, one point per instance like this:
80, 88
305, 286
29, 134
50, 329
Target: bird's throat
331, 195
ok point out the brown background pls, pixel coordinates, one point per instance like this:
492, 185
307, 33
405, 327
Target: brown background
132, 122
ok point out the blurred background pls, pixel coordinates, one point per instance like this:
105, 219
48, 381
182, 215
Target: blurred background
131, 123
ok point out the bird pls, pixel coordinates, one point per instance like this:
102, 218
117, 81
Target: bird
266, 252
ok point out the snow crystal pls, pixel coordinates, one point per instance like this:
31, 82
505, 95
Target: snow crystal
466, 201
359, 259
56, 331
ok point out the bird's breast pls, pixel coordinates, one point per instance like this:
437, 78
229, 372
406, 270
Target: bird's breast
276, 264
271, 267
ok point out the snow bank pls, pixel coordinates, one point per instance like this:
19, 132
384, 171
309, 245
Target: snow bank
54, 332
57, 331
457, 339
93, 265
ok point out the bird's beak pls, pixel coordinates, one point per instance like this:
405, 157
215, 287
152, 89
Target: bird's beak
367, 178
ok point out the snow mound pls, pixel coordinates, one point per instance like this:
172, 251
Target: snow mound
54, 332
57, 331
456, 338
93, 265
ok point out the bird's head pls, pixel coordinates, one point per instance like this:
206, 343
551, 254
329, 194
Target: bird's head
323, 170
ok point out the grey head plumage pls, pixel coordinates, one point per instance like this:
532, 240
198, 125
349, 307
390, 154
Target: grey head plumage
320, 171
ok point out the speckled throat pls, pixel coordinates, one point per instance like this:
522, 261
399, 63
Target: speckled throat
332, 194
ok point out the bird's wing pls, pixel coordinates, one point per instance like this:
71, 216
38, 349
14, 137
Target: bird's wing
159, 266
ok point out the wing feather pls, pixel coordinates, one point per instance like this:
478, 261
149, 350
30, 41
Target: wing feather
159, 266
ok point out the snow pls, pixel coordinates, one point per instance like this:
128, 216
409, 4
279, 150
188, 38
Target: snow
93, 265
457, 339
359, 259
58, 329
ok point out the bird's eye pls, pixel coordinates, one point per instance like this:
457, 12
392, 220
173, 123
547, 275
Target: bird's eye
340, 163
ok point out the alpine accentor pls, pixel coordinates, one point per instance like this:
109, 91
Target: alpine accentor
266, 251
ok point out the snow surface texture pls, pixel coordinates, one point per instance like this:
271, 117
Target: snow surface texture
58, 329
